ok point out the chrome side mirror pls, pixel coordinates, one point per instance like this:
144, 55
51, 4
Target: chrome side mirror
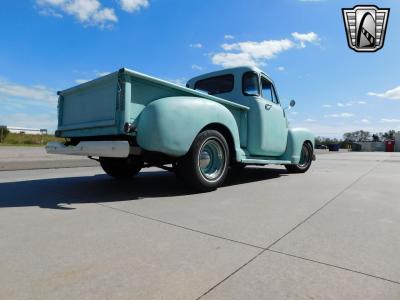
291, 104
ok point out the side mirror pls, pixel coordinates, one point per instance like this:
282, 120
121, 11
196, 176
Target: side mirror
291, 104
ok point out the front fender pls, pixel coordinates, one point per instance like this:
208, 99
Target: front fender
169, 125
296, 139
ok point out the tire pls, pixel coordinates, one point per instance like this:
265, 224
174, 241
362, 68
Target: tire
121, 168
205, 166
306, 158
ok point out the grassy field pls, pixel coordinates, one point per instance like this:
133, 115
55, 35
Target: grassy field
18, 139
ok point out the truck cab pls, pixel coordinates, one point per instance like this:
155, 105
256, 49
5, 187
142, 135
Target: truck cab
267, 125
220, 120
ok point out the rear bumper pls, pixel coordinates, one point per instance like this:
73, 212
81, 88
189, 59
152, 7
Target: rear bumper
94, 148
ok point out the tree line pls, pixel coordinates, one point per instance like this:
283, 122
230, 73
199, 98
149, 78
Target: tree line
356, 136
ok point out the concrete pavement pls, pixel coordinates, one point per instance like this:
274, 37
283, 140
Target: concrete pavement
27, 158
331, 233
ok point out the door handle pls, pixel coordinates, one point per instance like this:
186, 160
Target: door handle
268, 106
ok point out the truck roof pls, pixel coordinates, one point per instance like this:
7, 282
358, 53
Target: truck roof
235, 71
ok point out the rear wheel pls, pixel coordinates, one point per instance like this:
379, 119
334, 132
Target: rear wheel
121, 168
306, 158
205, 166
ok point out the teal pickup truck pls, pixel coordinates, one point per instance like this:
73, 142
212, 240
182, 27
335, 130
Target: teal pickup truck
220, 120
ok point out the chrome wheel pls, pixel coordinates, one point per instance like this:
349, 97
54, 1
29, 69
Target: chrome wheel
212, 159
205, 166
305, 157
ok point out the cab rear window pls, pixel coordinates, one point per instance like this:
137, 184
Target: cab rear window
215, 85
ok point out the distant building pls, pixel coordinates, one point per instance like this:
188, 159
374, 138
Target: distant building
397, 142
25, 130
369, 146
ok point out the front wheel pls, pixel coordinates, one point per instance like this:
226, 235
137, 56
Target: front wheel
306, 158
205, 166
121, 168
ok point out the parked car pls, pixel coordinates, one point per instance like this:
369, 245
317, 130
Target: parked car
230, 118
334, 147
322, 147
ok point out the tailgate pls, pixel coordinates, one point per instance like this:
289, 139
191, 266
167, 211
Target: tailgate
89, 105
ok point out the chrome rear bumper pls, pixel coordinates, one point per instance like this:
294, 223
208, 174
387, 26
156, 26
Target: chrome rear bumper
94, 148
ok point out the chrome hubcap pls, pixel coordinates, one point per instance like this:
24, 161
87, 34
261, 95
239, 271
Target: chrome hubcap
212, 158
305, 157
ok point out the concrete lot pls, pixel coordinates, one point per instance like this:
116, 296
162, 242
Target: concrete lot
25, 158
332, 233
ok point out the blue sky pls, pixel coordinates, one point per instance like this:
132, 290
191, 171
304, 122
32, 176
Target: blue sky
49, 45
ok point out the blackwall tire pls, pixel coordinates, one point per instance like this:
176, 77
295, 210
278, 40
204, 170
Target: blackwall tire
121, 168
306, 159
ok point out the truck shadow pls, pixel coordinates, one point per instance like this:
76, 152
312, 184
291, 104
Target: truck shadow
58, 193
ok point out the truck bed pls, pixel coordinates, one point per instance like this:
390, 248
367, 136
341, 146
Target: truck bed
102, 106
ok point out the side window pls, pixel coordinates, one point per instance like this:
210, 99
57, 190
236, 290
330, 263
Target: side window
250, 86
274, 96
216, 85
266, 89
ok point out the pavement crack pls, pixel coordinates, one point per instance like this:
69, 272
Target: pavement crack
294, 228
333, 266
326, 204
178, 226
231, 274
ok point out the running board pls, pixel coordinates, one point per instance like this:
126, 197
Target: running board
260, 161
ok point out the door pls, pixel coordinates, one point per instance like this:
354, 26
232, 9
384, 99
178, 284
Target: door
267, 121
274, 124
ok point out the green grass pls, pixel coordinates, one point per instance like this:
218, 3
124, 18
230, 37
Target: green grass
31, 140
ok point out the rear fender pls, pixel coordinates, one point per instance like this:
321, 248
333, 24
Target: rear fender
170, 125
296, 139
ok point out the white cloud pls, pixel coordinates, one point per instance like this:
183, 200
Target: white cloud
280, 68
88, 12
196, 67
310, 37
390, 94
29, 120
133, 5
340, 126
228, 37
309, 120
366, 121
80, 81
340, 115
253, 53
37, 93
197, 45
350, 103
294, 113
346, 115
178, 81
20, 104
101, 74
327, 105
384, 120
230, 60
250, 53
260, 50
97, 74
